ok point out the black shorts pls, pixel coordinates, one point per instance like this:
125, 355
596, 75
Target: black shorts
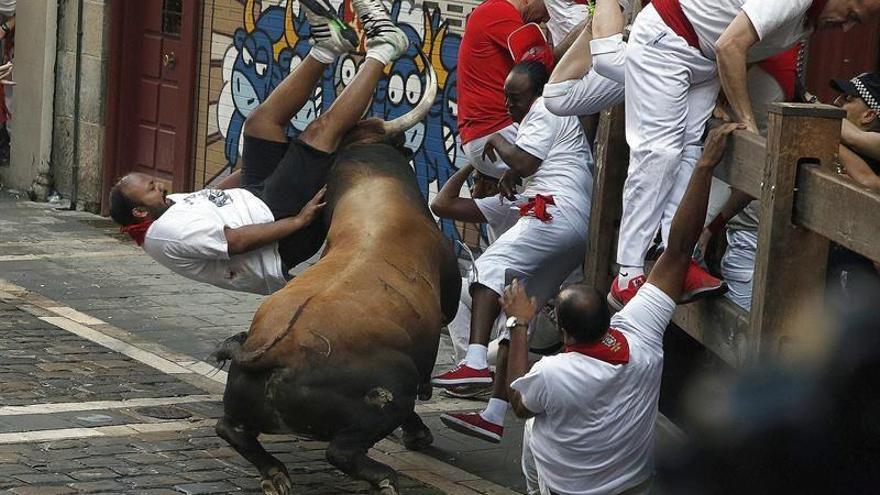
286, 176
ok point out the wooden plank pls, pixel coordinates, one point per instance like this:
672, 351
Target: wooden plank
840, 209
791, 260
611, 160
743, 164
719, 324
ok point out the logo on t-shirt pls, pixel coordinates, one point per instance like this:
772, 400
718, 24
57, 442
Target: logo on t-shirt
216, 196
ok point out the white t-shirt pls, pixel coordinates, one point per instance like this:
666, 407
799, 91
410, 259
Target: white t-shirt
593, 432
566, 170
565, 15
189, 239
779, 23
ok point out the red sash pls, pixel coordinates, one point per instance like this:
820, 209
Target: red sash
612, 348
671, 13
137, 231
537, 207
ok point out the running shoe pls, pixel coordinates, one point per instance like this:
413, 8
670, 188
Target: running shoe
472, 424
462, 375
328, 30
700, 284
618, 297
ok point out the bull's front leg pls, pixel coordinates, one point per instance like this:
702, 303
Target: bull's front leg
275, 481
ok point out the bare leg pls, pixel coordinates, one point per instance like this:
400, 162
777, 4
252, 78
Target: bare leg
577, 60
326, 132
499, 387
608, 19
484, 310
276, 481
269, 121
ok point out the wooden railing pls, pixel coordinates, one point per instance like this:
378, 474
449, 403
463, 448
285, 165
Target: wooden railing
804, 205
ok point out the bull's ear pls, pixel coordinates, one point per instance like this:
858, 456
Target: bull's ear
239, 37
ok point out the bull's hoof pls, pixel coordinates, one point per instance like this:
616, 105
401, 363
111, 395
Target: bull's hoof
277, 484
418, 440
386, 487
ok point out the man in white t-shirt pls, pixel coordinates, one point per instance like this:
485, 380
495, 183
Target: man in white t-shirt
247, 238
593, 407
545, 244
678, 55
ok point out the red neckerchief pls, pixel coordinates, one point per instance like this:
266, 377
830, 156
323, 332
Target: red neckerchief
612, 348
537, 207
137, 231
815, 11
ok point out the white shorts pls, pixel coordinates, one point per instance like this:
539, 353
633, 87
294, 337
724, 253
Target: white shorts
474, 152
540, 254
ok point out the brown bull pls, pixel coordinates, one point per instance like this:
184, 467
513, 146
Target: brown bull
341, 353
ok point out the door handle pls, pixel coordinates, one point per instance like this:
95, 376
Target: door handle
169, 60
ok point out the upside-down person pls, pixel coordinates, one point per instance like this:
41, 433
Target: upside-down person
678, 55
247, 238
593, 407
545, 245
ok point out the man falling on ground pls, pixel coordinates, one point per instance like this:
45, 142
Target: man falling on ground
247, 238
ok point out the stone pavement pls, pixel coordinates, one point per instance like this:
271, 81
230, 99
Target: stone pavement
103, 388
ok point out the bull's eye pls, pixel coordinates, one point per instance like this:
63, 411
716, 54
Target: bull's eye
294, 62
413, 89
348, 71
261, 68
395, 89
246, 56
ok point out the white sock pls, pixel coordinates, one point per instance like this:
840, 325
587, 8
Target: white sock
627, 273
477, 356
322, 54
383, 52
495, 411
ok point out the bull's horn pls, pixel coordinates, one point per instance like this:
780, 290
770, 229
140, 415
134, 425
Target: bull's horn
414, 116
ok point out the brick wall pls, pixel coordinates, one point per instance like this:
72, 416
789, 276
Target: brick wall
246, 51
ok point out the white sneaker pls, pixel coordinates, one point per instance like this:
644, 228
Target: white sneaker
385, 41
331, 36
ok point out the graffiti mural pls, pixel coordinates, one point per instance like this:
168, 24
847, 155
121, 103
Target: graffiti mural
272, 38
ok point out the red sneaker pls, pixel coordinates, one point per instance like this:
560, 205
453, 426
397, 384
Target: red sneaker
472, 424
699, 284
618, 297
462, 375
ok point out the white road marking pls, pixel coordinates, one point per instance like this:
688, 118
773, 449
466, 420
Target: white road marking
102, 431
103, 405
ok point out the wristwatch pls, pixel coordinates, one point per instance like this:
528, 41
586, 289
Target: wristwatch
514, 322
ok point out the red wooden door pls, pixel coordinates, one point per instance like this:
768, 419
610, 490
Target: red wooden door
156, 94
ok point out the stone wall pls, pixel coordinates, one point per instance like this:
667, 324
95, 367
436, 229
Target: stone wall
92, 103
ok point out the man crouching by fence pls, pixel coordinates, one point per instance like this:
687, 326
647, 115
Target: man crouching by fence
593, 408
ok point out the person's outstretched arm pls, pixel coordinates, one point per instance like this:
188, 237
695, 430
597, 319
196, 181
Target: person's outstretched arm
866, 143
448, 203
732, 50
669, 271
249, 237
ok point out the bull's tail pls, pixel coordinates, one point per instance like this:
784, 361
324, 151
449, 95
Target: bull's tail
229, 350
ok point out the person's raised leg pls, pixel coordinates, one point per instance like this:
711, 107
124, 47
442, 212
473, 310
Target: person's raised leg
385, 42
269, 121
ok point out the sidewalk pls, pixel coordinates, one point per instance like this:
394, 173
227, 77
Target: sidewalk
103, 388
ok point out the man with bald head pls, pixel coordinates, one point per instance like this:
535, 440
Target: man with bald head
592, 408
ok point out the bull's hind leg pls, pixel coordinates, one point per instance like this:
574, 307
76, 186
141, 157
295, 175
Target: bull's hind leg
348, 453
416, 436
276, 481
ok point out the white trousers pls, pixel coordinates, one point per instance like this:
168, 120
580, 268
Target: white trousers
671, 89
474, 152
738, 266
591, 93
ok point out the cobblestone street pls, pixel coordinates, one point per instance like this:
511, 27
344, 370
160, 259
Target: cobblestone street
104, 388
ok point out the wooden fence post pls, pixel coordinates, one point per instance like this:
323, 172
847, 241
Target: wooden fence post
791, 261
611, 162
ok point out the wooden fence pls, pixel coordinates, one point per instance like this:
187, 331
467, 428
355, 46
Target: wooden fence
804, 205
